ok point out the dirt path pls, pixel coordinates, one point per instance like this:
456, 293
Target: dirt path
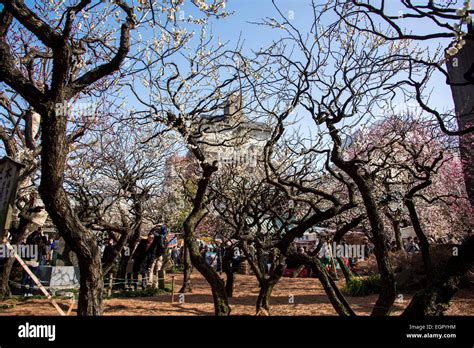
308, 294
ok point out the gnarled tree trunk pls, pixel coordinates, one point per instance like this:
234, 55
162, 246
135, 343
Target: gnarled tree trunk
424, 244
188, 270
266, 282
5, 291
264, 295
221, 304
346, 271
266, 288
335, 296
387, 295
62, 87
229, 273
81, 240
434, 299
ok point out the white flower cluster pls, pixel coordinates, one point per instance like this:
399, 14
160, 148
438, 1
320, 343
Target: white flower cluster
466, 18
142, 5
171, 14
464, 12
55, 4
178, 35
201, 4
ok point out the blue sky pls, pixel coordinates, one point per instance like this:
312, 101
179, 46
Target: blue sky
255, 37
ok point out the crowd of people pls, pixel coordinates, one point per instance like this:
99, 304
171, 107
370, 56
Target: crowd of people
42, 250
223, 256
46, 256
412, 245
145, 259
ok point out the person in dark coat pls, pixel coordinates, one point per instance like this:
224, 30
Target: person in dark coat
35, 237
160, 247
160, 244
142, 258
108, 250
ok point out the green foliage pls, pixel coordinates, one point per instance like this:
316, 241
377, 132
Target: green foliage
177, 269
148, 292
363, 286
16, 274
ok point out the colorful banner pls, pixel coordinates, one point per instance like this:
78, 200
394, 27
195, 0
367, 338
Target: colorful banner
172, 240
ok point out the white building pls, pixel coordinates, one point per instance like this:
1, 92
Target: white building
232, 138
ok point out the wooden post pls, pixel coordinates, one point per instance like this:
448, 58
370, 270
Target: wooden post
172, 289
71, 306
161, 279
111, 278
36, 280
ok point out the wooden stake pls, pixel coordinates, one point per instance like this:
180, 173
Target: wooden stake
111, 278
71, 306
172, 289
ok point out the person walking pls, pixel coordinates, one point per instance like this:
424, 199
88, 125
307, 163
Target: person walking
142, 258
175, 255
412, 246
160, 246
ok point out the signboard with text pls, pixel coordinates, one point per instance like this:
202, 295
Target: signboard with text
9, 170
407, 232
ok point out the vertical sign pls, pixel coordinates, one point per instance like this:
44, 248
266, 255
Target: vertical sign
9, 170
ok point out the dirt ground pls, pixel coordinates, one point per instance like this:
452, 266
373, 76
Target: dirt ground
308, 294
